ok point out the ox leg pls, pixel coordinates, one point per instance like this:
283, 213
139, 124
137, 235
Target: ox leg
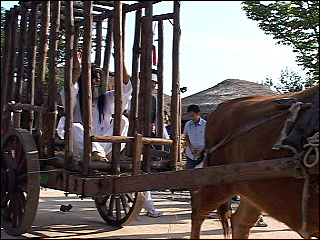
203, 202
244, 218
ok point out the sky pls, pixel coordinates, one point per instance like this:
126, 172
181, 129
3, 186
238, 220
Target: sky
217, 42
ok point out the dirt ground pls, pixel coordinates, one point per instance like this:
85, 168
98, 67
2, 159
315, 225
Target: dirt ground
84, 221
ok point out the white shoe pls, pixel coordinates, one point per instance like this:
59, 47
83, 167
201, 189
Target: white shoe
154, 214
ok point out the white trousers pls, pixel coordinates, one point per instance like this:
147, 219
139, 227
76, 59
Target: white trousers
148, 202
78, 132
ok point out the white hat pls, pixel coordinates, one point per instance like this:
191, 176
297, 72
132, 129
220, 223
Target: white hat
154, 77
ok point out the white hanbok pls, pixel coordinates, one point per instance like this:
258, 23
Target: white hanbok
103, 128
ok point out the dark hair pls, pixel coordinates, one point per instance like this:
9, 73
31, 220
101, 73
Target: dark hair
95, 70
193, 108
101, 99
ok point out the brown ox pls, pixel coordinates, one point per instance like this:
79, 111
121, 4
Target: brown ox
280, 198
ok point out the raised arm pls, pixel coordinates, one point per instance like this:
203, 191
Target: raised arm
77, 68
125, 75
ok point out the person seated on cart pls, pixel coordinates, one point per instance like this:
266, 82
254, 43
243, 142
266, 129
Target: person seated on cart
102, 110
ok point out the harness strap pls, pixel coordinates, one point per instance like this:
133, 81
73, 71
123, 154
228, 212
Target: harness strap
255, 123
294, 110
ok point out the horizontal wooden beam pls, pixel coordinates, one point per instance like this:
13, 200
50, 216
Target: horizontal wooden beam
125, 165
104, 3
215, 175
126, 8
125, 139
80, 6
23, 106
136, 6
161, 17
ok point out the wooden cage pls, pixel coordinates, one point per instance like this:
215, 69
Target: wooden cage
31, 49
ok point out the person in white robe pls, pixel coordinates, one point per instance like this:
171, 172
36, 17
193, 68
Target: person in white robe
102, 111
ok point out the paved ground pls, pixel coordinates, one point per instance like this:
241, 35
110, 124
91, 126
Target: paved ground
84, 221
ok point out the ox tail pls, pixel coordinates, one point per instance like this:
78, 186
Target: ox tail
224, 216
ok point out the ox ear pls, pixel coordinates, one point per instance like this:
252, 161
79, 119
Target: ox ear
284, 103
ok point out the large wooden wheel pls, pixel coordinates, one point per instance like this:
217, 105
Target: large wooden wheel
120, 209
20, 181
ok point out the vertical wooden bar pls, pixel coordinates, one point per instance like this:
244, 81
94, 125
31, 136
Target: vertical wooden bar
20, 63
76, 43
178, 75
32, 51
160, 105
147, 27
118, 85
179, 130
123, 26
12, 62
175, 148
107, 54
141, 90
98, 43
137, 151
86, 84
42, 53
133, 121
40, 78
5, 64
69, 25
52, 91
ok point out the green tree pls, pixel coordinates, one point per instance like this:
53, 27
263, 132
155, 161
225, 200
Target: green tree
292, 23
289, 82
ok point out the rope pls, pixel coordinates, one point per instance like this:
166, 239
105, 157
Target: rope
304, 201
294, 110
313, 144
305, 191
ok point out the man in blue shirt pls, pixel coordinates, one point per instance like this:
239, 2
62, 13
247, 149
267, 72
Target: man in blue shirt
194, 135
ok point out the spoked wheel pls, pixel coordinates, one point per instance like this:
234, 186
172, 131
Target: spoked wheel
20, 181
120, 209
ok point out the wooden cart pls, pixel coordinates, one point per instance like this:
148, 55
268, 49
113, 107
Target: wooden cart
28, 123
29, 120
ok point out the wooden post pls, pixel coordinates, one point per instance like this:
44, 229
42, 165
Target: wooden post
133, 121
20, 63
146, 78
69, 25
107, 54
52, 92
5, 63
12, 62
86, 84
76, 43
160, 105
118, 85
98, 43
32, 51
175, 148
43, 50
141, 89
137, 154
123, 26
39, 83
